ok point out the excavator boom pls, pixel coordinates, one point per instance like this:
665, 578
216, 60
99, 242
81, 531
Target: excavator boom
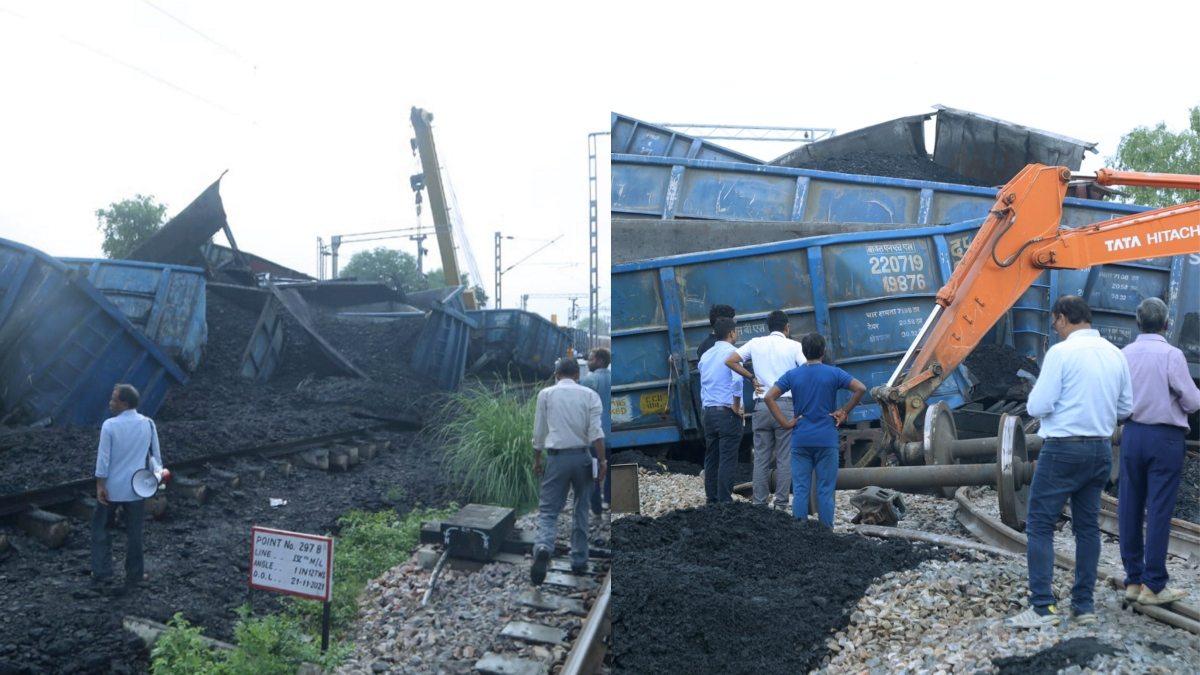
1019, 239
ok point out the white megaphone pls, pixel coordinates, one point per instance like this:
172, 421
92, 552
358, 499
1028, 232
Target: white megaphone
146, 481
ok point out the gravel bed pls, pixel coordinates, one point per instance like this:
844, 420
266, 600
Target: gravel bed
1185, 574
465, 615
949, 617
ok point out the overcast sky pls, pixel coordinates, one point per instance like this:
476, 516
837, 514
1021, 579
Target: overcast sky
307, 104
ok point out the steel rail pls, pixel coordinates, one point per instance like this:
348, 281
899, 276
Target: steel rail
589, 649
1184, 540
67, 492
998, 534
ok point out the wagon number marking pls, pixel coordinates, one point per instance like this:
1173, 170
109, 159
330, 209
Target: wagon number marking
894, 270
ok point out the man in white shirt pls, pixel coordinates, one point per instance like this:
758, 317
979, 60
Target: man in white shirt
126, 440
721, 393
1082, 392
771, 356
567, 420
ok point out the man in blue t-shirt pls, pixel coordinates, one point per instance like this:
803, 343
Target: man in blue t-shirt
814, 387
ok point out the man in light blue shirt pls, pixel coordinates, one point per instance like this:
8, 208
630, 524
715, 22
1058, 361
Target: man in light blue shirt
721, 394
1080, 395
126, 441
599, 380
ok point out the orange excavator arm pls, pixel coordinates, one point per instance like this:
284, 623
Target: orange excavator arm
1019, 239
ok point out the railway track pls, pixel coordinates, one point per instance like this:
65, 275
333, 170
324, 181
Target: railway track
996, 533
39, 511
557, 596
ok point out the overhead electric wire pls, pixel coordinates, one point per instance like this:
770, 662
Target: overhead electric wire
188, 26
136, 69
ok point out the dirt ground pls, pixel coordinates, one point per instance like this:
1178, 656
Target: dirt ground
53, 621
744, 577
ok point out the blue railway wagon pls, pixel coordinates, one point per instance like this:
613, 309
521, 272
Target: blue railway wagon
59, 367
634, 137
527, 340
868, 293
441, 351
669, 188
165, 302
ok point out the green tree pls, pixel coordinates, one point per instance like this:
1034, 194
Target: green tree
1162, 151
585, 323
437, 279
395, 268
128, 223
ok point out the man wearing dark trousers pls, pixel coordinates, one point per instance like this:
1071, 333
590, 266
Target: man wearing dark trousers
721, 393
599, 380
125, 441
1152, 455
715, 312
1081, 393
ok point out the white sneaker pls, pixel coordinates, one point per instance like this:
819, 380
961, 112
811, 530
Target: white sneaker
1031, 619
1164, 597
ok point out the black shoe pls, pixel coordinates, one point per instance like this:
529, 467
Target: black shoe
579, 570
541, 560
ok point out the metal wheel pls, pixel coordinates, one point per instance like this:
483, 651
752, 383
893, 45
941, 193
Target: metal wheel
940, 435
1014, 500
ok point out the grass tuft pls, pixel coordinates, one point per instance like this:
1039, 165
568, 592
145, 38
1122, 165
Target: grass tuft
487, 434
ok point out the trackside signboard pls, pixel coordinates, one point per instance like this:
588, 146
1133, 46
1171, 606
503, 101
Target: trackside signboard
292, 563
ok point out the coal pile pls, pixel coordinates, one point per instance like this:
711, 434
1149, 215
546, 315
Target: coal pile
872, 163
731, 588
995, 367
1074, 652
219, 411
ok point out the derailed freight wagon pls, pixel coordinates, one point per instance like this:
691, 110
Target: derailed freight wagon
868, 293
59, 367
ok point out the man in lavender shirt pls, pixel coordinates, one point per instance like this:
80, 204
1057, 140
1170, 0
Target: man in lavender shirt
1152, 454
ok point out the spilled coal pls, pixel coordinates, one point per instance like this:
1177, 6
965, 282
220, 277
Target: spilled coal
1074, 652
732, 588
52, 620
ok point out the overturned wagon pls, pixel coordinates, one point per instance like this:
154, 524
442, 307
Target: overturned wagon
868, 293
59, 367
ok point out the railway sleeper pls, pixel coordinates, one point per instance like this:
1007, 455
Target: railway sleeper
498, 664
49, 528
189, 488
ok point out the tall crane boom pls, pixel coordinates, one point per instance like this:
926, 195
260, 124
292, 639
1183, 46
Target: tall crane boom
437, 202
1019, 239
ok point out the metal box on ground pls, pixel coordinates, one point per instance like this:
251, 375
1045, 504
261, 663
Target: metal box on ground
477, 531
625, 495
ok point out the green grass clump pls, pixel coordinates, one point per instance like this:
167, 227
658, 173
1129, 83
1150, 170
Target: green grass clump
487, 435
270, 645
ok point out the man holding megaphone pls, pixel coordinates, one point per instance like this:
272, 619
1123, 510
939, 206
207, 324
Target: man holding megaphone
126, 466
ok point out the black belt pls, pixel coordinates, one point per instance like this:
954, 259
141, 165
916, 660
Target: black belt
563, 451
714, 407
1080, 439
